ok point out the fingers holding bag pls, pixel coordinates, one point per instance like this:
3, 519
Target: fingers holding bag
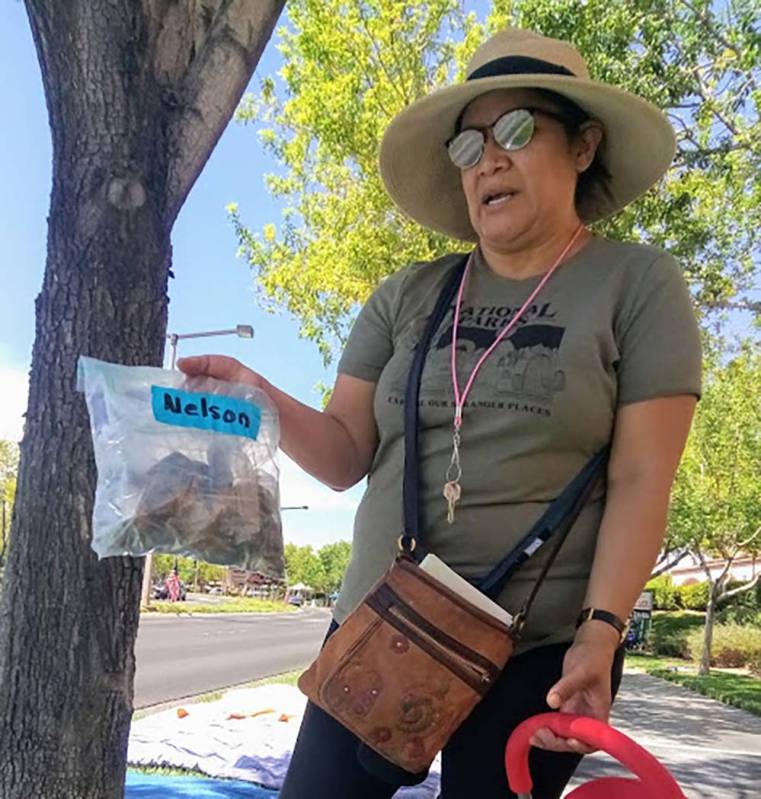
220, 367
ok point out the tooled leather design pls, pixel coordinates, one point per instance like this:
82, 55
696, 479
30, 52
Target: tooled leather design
422, 708
416, 714
356, 689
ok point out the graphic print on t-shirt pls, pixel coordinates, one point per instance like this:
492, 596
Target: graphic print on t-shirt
523, 367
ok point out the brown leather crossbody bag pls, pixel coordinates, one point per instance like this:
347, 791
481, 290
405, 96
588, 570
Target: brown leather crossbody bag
405, 668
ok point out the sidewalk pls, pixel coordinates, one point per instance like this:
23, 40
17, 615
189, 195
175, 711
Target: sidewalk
713, 751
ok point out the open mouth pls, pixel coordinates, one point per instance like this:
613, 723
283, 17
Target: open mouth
497, 198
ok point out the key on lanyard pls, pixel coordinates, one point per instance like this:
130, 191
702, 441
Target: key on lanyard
452, 489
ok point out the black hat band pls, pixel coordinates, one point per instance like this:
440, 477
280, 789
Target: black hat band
518, 65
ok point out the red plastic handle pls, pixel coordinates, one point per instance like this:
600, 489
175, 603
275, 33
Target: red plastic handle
659, 783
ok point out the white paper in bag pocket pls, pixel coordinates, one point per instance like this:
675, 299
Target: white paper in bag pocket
438, 569
186, 466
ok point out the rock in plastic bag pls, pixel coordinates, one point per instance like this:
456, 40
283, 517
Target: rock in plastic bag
186, 466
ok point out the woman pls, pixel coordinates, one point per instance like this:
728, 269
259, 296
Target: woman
518, 159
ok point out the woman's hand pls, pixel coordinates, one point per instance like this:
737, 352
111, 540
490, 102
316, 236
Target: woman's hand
584, 688
336, 445
220, 367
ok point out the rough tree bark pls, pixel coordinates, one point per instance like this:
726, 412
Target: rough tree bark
138, 94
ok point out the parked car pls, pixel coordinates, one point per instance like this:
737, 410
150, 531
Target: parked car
296, 599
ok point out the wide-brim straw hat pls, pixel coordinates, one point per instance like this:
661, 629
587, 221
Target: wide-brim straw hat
637, 148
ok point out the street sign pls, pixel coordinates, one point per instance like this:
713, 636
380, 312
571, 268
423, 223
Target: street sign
644, 602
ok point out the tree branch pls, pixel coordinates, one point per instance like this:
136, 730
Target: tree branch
737, 305
381, 63
708, 23
667, 564
703, 563
213, 84
703, 92
743, 544
727, 566
741, 589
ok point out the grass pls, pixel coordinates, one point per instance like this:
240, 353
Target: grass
647, 663
738, 690
670, 630
288, 678
228, 605
163, 771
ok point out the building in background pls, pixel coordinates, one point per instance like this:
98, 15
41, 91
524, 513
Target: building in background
690, 571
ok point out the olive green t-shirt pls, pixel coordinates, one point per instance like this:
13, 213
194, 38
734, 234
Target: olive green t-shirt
614, 325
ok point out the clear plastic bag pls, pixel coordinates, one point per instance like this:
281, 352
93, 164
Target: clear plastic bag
186, 466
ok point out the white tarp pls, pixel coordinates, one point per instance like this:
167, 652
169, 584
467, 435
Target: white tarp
248, 734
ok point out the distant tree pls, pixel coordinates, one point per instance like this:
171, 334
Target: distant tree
138, 93
335, 559
303, 565
9, 458
206, 572
715, 509
339, 233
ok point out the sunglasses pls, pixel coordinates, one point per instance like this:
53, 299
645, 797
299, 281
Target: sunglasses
512, 131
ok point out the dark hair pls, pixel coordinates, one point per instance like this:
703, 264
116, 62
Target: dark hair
593, 185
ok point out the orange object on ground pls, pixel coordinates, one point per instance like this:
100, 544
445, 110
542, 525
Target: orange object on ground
262, 712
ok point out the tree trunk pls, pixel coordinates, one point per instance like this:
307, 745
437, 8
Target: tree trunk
705, 657
128, 90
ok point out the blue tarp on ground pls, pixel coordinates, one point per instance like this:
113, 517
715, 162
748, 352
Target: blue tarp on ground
149, 786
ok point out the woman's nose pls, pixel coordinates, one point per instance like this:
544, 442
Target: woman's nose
494, 157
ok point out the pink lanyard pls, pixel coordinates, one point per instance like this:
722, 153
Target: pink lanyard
452, 488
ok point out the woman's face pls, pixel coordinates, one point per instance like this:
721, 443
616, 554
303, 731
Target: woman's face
517, 196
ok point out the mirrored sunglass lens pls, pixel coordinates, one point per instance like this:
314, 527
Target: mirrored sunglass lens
466, 148
514, 130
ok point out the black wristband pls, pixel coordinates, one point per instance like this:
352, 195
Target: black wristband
595, 614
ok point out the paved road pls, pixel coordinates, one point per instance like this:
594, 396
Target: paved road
180, 656
713, 751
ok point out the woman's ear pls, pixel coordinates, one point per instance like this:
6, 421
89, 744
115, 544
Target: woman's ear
587, 142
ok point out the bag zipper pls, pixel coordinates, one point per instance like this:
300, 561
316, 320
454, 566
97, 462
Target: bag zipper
388, 606
445, 655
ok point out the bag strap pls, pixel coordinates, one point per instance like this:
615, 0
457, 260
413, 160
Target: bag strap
559, 517
561, 514
410, 540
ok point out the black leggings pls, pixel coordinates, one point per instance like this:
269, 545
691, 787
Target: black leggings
324, 764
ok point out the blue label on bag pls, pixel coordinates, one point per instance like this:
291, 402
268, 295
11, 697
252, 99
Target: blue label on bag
205, 412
